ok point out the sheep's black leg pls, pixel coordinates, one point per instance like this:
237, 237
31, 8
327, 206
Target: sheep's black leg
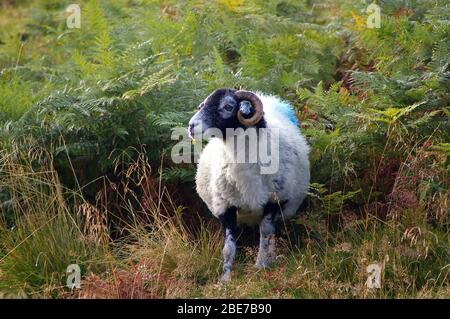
267, 249
228, 220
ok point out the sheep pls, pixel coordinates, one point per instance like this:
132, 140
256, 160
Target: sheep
237, 192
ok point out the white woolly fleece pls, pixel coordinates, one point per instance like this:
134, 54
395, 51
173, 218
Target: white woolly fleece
222, 183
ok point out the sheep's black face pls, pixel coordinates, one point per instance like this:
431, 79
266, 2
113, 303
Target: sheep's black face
219, 111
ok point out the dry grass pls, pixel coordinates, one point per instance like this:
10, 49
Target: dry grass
160, 255
42, 235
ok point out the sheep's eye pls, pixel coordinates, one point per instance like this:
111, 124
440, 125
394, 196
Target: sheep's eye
200, 106
228, 107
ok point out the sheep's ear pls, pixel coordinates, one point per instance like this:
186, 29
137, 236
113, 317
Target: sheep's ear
245, 107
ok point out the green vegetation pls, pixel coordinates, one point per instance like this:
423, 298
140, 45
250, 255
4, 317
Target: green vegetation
85, 122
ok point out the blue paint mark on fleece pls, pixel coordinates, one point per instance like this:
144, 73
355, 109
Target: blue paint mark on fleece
287, 111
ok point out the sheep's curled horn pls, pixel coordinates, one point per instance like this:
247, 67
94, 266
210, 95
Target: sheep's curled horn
256, 104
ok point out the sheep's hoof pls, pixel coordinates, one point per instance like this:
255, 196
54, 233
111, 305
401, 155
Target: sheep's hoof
226, 277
